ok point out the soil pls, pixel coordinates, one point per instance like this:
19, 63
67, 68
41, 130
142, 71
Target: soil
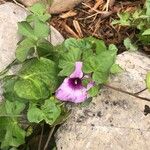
93, 18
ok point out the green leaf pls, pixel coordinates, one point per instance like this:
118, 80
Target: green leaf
35, 114
146, 32
38, 79
38, 9
145, 39
89, 65
129, 46
148, 80
23, 49
100, 77
13, 135
124, 19
100, 65
14, 108
8, 89
45, 48
67, 69
113, 48
31, 89
49, 112
80, 44
41, 69
87, 54
65, 113
147, 4
41, 30
115, 68
44, 17
25, 29
105, 60
2, 109
68, 60
33, 17
72, 56
93, 91
97, 44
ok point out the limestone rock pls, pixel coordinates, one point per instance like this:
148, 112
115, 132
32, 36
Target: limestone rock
10, 14
57, 6
28, 2
113, 120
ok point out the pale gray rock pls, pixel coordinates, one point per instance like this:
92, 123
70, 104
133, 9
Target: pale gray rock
28, 2
56, 38
113, 120
57, 6
10, 15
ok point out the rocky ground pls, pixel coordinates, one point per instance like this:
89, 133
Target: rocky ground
113, 120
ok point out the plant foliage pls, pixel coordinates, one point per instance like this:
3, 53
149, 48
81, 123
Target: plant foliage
29, 94
139, 19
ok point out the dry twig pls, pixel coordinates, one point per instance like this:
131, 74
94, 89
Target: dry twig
49, 137
68, 14
69, 30
19, 4
77, 28
126, 92
41, 136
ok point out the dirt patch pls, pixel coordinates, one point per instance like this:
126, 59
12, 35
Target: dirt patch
93, 18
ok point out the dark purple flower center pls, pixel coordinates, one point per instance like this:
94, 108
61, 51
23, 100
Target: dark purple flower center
75, 83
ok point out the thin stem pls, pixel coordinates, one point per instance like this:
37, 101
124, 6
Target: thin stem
36, 52
126, 92
17, 3
49, 137
11, 115
3, 72
140, 91
40, 141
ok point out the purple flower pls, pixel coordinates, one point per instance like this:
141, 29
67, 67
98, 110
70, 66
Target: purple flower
72, 89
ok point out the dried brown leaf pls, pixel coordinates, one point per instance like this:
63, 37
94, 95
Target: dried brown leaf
68, 14
69, 30
77, 28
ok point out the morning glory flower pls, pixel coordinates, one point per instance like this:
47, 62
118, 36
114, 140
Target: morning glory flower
72, 88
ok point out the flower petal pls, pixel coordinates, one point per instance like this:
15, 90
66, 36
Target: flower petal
66, 93
78, 70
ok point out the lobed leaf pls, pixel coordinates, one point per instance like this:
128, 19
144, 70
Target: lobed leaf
49, 112
24, 48
24, 28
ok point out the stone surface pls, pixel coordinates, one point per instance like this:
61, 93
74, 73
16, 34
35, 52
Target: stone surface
57, 6
113, 120
28, 2
10, 14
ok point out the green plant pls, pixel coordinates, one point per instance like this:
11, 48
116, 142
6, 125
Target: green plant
29, 95
139, 19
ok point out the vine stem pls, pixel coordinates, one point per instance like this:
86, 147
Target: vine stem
129, 93
19, 4
3, 72
49, 137
40, 141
